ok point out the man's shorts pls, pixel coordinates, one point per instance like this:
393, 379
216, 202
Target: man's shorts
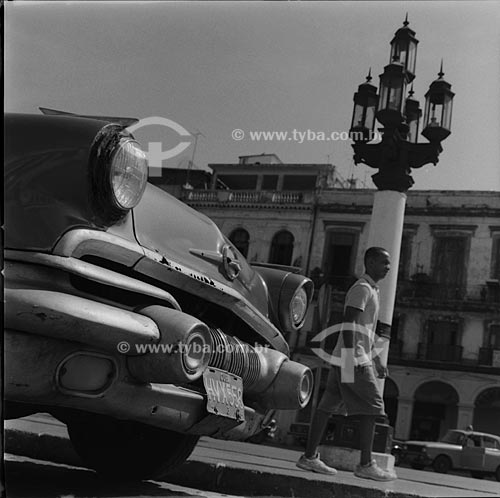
361, 397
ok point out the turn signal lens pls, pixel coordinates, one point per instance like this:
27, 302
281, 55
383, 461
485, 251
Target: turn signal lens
128, 173
298, 306
195, 353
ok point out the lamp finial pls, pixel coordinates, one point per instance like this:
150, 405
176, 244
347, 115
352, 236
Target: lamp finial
369, 77
406, 20
441, 73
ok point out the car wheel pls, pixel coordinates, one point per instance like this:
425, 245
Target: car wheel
442, 464
417, 466
497, 473
124, 450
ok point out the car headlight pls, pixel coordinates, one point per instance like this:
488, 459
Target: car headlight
295, 297
128, 173
118, 170
298, 306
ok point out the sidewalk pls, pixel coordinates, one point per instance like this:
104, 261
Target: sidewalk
249, 469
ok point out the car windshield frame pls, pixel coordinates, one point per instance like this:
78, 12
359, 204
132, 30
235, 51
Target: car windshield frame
453, 437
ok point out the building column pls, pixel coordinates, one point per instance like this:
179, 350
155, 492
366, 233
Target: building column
404, 418
465, 415
260, 178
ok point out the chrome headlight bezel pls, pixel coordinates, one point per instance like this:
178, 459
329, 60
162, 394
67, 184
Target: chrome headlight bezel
296, 290
116, 155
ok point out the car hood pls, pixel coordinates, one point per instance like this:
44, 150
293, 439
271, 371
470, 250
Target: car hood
182, 235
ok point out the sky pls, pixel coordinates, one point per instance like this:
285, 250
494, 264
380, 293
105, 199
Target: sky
215, 67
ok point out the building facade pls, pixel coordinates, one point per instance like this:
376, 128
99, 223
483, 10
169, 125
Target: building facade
444, 358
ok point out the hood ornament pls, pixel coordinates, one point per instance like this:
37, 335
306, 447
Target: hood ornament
227, 258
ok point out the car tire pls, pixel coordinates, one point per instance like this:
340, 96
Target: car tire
497, 473
130, 451
442, 464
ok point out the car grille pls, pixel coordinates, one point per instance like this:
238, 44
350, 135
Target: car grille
232, 355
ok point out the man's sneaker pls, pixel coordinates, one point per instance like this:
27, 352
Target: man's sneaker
314, 464
373, 471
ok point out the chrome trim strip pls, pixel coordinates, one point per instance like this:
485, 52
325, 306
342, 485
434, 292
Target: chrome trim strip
94, 273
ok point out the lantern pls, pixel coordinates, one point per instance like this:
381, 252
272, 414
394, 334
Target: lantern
438, 107
412, 115
363, 116
404, 50
392, 89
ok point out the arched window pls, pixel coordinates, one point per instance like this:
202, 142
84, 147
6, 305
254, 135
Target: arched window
241, 240
281, 248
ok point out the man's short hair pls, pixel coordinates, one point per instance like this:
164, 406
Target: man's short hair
373, 252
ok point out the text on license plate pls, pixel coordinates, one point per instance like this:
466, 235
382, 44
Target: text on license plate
224, 393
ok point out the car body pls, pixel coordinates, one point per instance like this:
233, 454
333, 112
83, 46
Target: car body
476, 452
129, 315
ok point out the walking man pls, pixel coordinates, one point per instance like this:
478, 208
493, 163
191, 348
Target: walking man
352, 388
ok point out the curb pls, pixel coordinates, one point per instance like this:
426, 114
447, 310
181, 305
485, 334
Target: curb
208, 476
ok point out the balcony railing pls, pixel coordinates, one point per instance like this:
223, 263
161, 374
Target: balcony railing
440, 352
248, 196
410, 289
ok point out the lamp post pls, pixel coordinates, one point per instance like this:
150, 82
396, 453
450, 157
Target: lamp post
397, 153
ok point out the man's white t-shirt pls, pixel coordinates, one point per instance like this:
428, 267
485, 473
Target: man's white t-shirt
364, 296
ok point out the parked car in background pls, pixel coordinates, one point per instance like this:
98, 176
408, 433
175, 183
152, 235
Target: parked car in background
130, 316
476, 452
397, 450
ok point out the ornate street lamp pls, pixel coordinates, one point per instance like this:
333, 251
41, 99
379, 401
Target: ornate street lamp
363, 116
397, 154
392, 89
438, 107
404, 49
413, 113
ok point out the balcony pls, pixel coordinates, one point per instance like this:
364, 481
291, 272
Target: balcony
247, 196
424, 292
440, 352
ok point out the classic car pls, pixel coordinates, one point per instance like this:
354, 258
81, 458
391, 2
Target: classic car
129, 316
476, 452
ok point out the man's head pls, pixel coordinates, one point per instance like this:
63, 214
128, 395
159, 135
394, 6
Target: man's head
377, 263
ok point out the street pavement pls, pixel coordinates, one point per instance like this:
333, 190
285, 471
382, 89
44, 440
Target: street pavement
29, 478
247, 469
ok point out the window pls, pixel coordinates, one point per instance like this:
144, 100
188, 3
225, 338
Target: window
238, 182
281, 248
269, 182
404, 258
240, 239
443, 341
489, 442
449, 266
495, 259
442, 332
494, 336
339, 259
299, 182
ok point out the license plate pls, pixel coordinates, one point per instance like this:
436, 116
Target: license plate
224, 393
